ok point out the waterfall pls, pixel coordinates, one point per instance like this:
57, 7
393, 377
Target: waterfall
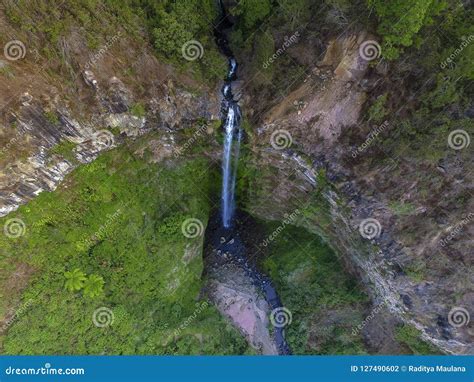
233, 136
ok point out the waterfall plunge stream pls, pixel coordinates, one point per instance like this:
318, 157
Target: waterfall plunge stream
233, 136
225, 237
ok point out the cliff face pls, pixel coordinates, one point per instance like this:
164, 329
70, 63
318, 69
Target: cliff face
402, 225
415, 261
49, 129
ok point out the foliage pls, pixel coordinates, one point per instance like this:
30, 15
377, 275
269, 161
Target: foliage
377, 110
313, 286
252, 12
134, 267
401, 20
74, 280
411, 337
138, 110
93, 286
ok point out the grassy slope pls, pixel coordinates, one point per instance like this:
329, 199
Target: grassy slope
118, 217
314, 287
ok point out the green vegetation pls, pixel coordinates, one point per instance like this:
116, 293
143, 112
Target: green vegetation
111, 237
138, 110
65, 150
173, 25
402, 208
401, 20
411, 337
170, 24
377, 110
325, 302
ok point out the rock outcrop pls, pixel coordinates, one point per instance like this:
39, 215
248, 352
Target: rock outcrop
304, 163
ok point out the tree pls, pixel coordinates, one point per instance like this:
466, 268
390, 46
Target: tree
400, 21
93, 286
74, 280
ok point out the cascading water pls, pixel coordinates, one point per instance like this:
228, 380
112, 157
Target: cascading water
226, 244
233, 136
